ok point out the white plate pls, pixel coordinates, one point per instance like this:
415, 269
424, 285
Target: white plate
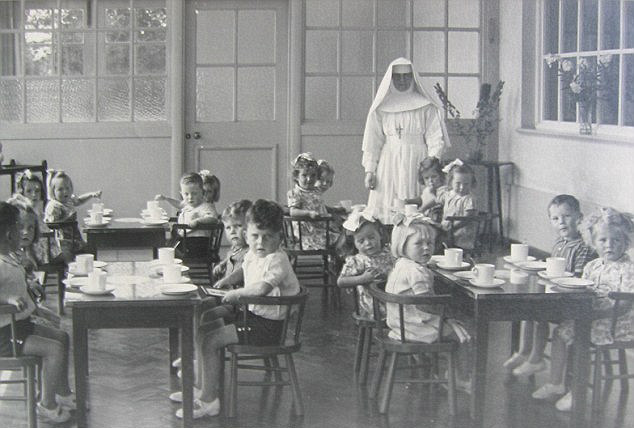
462, 267
543, 274
157, 262
465, 274
573, 282
106, 211
149, 222
127, 279
76, 281
532, 265
184, 280
496, 283
87, 289
158, 269
178, 289
508, 259
102, 224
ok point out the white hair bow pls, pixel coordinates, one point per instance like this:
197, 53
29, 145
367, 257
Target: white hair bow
407, 219
204, 172
356, 219
451, 165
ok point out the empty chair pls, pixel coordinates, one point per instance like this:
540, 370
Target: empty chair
480, 222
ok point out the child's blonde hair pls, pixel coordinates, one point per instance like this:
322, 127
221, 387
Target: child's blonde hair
611, 218
51, 176
402, 232
304, 161
214, 183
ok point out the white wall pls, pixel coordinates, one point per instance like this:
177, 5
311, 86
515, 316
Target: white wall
597, 172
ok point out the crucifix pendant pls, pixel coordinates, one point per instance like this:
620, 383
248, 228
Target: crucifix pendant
399, 129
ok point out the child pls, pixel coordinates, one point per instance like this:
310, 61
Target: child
325, 176
233, 218
458, 201
609, 232
305, 200
373, 261
432, 177
211, 188
61, 207
51, 344
565, 216
266, 271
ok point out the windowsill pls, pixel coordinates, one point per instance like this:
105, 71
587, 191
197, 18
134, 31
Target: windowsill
623, 137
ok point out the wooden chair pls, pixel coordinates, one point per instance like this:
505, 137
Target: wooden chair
13, 168
393, 348
293, 307
603, 359
26, 364
481, 222
308, 263
200, 254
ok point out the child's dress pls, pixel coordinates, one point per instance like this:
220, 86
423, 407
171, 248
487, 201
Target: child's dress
358, 264
607, 276
189, 213
427, 197
459, 205
55, 212
313, 234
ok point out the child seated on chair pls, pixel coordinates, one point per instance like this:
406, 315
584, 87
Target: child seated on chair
51, 344
432, 178
372, 262
266, 271
233, 218
565, 215
610, 233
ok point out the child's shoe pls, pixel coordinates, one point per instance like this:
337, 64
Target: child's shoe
549, 391
564, 404
67, 401
202, 408
56, 415
177, 397
516, 360
527, 368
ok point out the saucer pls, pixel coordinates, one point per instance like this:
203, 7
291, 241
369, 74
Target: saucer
573, 282
87, 289
106, 212
76, 281
465, 274
496, 283
178, 289
158, 269
532, 265
151, 222
184, 280
543, 274
461, 267
157, 262
508, 259
102, 224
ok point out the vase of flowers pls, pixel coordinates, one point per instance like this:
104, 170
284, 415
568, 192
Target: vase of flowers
475, 132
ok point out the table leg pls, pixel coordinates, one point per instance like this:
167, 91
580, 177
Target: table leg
581, 369
187, 360
515, 336
498, 196
478, 371
174, 352
80, 355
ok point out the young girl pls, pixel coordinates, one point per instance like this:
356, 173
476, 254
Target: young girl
458, 201
61, 206
373, 261
305, 200
233, 218
211, 188
325, 176
49, 343
432, 177
610, 233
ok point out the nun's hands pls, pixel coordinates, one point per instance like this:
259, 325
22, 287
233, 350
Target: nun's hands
370, 180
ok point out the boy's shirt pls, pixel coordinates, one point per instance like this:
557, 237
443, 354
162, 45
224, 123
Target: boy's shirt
276, 270
189, 213
13, 284
576, 253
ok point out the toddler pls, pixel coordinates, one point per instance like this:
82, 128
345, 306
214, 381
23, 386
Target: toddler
325, 176
432, 178
51, 344
565, 216
211, 188
266, 271
609, 232
233, 218
373, 261
458, 201
305, 200
61, 206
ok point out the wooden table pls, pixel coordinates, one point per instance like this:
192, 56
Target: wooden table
537, 300
126, 233
139, 305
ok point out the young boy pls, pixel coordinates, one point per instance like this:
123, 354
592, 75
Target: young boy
265, 271
565, 216
233, 218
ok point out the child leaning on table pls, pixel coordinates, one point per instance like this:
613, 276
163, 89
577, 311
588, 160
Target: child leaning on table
266, 271
565, 215
51, 344
610, 233
233, 218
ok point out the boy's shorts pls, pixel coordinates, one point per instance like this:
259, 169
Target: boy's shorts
258, 330
23, 329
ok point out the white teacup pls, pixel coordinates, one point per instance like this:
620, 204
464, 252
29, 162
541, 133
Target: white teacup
171, 273
346, 204
411, 209
483, 273
166, 255
518, 277
97, 207
96, 217
156, 213
399, 204
152, 205
453, 257
97, 279
84, 263
555, 266
519, 252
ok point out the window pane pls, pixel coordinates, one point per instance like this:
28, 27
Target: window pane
628, 98
464, 52
464, 93
117, 18
8, 54
568, 104
117, 59
551, 26
150, 18
356, 97
72, 19
42, 101
569, 26
551, 92
429, 51
39, 19
589, 25
357, 51
256, 36
150, 59
39, 57
429, 13
215, 88
10, 101
215, 35
113, 100
117, 36
322, 13
9, 15
321, 98
256, 93
628, 38
394, 13
357, 13
464, 13
150, 35
72, 60
149, 98
389, 46
321, 51
608, 104
611, 24
78, 100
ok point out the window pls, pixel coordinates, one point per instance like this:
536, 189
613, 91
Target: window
597, 35
350, 43
65, 61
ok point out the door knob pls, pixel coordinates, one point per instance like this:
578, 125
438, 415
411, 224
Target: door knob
196, 135
188, 136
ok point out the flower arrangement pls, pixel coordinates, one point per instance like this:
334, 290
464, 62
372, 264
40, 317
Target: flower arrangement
587, 82
475, 132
